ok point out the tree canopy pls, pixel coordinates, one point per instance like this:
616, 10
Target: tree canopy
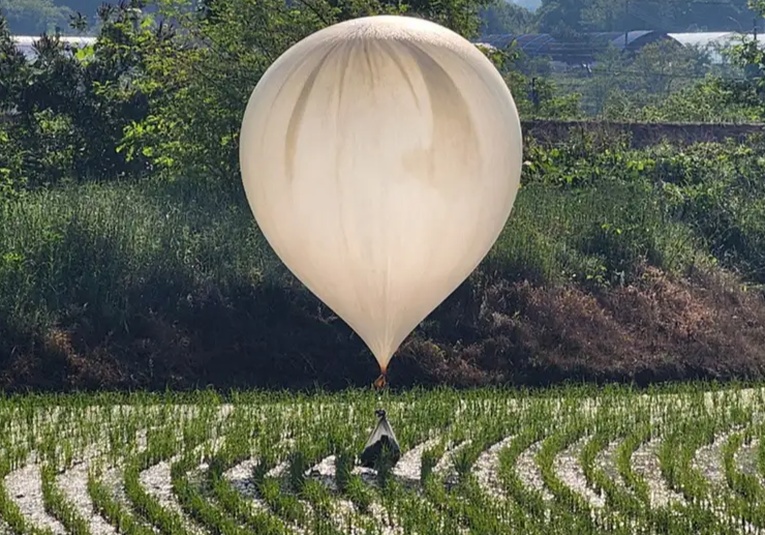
559, 16
33, 17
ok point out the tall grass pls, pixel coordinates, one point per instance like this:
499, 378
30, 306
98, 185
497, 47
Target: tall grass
596, 235
103, 251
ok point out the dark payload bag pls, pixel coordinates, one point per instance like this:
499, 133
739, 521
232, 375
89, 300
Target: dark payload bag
382, 439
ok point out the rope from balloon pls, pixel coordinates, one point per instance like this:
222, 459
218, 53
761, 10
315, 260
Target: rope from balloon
382, 381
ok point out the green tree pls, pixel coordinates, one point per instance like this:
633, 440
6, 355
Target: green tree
749, 56
13, 71
198, 93
565, 16
618, 85
33, 17
72, 105
502, 17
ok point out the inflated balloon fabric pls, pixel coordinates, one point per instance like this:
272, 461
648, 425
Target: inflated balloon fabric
381, 158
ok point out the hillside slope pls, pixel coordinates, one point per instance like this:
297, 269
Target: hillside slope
617, 264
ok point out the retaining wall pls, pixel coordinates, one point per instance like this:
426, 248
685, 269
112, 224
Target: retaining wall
638, 134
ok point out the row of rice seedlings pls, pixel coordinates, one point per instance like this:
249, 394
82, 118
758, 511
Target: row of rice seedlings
58, 506
704, 510
749, 500
144, 504
634, 439
273, 489
232, 502
10, 512
480, 423
196, 504
242, 432
108, 506
678, 448
746, 485
76, 428
608, 429
467, 502
529, 500
414, 514
283, 497
126, 424
51, 437
13, 454
350, 485
449, 501
552, 446
187, 481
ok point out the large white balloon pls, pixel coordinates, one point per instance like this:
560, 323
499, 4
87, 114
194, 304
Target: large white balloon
381, 158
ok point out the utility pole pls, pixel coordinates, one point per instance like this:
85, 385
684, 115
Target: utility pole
626, 23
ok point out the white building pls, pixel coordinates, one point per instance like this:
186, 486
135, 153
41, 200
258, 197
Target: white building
25, 43
713, 43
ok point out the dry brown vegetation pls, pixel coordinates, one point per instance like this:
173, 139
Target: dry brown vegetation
660, 328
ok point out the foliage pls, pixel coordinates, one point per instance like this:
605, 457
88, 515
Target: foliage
163, 89
712, 100
69, 106
502, 17
619, 86
566, 17
705, 186
33, 17
140, 267
210, 85
536, 95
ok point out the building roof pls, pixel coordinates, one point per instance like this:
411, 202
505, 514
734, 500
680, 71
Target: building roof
711, 42
703, 38
591, 44
618, 39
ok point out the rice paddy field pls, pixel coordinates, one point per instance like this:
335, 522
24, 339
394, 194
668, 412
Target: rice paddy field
682, 459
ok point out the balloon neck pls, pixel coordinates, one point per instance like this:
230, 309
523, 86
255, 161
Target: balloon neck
382, 381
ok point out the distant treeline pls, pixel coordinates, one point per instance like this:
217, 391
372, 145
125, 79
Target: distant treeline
561, 17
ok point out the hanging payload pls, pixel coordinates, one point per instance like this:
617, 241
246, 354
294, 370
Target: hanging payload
381, 445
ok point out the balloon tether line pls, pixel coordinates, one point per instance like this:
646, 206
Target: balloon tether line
382, 381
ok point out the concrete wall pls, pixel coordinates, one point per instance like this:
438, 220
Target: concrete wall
638, 134
550, 132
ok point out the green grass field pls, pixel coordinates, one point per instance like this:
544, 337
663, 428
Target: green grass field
687, 459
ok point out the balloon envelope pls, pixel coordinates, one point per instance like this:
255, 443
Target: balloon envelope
381, 158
